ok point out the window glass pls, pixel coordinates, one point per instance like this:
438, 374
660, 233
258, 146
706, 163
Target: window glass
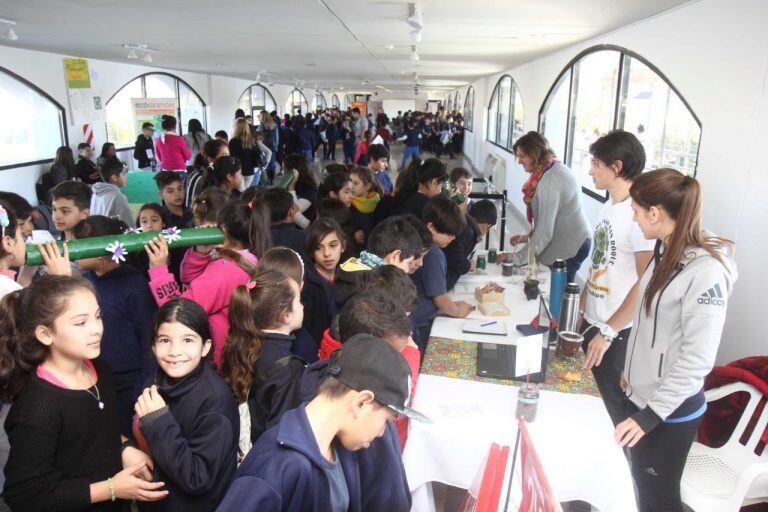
318, 103
244, 102
554, 121
493, 110
346, 102
160, 86
191, 107
469, 106
120, 129
517, 117
502, 134
457, 102
593, 104
36, 130
297, 103
335, 101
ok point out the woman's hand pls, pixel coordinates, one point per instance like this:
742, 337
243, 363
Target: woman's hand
519, 239
157, 250
597, 348
56, 263
132, 456
623, 382
149, 401
129, 487
628, 432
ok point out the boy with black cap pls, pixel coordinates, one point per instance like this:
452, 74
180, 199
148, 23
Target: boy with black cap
306, 461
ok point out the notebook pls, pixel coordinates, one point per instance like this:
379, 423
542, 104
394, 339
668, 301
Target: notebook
485, 326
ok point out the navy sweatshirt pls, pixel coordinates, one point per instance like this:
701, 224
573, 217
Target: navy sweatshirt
288, 235
458, 251
193, 440
319, 299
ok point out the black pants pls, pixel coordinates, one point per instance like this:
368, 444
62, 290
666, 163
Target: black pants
657, 462
608, 373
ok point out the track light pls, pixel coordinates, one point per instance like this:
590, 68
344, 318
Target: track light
132, 54
415, 35
415, 19
147, 58
9, 33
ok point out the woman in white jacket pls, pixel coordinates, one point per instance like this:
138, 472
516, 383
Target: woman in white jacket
675, 335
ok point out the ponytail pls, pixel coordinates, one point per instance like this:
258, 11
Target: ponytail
249, 224
252, 308
680, 197
217, 174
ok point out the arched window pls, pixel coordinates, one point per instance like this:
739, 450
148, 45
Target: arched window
449, 103
318, 102
608, 87
335, 101
469, 108
457, 101
345, 104
120, 128
296, 103
34, 126
505, 114
255, 99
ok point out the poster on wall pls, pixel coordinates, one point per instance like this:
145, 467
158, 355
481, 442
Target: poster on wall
152, 110
76, 73
363, 106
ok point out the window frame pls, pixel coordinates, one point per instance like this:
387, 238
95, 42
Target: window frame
249, 90
176, 91
469, 119
290, 97
316, 103
620, 96
62, 119
337, 103
513, 89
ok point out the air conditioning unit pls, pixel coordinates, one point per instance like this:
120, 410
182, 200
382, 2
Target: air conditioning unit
495, 171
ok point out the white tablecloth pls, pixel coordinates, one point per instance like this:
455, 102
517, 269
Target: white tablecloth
573, 436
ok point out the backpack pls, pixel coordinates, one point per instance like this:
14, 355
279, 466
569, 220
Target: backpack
274, 393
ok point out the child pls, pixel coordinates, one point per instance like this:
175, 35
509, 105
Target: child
171, 149
193, 185
417, 184
65, 450
107, 198
444, 221
71, 204
337, 185
222, 136
143, 149
412, 140
398, 243
188, 416
151, 217
481, 218
85, 169
347, 142
225, 174
461, 185
22, 210
283, 215
366, 194
303, 187
378, 160
306, 461
325, 244
127, 310
361, 151
171, 190
13, 252
211, 280
207, 205
330, 208
257, 358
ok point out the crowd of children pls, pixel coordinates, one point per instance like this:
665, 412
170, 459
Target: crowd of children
272, 371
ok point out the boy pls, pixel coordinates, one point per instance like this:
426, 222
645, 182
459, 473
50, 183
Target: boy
412, 139
71, 204
461, 183
444, 221
107, 199
306, 462
171, 190
378, 160
481, 218
85, 169
619, 258
144, 149
283, 211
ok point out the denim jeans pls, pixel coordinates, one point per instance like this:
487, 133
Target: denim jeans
410, 151
573, 263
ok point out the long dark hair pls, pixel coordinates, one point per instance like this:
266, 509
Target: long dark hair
21, 312
680, 197
168, 122
333, 183
186, 312
248, 224
65, 158
210, 151
104, 148
223, 166
195, 129
251, 310
299, 162
419, 172
9, 230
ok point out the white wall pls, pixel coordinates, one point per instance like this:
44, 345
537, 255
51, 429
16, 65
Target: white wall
391, 106
716, 55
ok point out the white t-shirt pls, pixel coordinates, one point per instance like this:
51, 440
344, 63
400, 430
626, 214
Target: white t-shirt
7, 285
613, 271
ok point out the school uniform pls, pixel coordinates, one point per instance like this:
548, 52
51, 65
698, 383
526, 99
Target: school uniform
458, 251
414, 204
192, 440
183, 221
140, 148
319, 298
430, 281
288, 235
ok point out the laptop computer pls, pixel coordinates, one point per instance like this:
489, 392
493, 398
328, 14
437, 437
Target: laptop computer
497, 360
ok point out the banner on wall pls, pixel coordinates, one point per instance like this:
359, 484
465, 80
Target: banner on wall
362, 105
76, 73
152, 110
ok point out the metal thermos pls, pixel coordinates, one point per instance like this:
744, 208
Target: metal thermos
556, 287
569, 309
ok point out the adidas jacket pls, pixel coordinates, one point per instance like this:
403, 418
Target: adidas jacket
670, 351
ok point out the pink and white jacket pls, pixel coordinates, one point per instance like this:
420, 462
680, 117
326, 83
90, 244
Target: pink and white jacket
210, 284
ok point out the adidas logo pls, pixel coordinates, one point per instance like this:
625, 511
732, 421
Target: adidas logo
712, 296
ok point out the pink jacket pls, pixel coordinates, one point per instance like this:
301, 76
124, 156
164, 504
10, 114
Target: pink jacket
172, 153
211, 284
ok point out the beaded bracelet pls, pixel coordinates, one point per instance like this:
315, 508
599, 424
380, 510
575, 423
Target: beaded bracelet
112, 494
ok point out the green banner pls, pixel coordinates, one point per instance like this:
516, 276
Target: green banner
76, 71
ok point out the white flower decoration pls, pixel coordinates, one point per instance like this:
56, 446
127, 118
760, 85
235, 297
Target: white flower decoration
118, 251
171, 234
134, 230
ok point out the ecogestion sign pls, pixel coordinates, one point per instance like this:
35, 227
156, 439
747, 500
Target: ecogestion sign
152, 110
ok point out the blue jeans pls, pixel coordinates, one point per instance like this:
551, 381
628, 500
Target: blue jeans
573, 264
410, 151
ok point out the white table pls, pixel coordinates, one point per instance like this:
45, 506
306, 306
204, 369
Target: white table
572, 433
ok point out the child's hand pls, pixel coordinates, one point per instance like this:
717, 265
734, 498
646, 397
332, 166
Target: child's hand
129, 487
292, 184
149, 401
132, 456
464, 308
157, 250
56, 263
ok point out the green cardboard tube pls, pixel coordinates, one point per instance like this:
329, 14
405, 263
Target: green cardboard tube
133, 243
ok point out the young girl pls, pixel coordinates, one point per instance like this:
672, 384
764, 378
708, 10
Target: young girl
361, 151
675, 334
187, 416
13, 252
325, 244
366, 194
151, 218
303, 188
225, 174
263, 314
193, 185
348, 142
420, 182
65, 445
171, 149
337, 185
211, 279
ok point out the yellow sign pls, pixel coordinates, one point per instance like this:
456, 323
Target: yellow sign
76, 71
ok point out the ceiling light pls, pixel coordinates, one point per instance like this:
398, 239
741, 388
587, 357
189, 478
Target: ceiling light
415, 57
415, 19
147, 58
389, 47
415, 35
9, 33
132, 54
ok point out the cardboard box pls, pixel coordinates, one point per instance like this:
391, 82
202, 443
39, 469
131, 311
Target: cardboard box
482, 298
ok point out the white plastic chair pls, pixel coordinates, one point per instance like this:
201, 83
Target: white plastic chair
725, 479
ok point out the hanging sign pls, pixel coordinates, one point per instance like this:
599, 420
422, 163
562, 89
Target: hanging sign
77, 74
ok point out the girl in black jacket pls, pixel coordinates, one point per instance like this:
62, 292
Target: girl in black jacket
187, 419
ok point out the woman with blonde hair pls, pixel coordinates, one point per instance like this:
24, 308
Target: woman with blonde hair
245, 146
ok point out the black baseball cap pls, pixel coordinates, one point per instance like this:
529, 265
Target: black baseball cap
365, 362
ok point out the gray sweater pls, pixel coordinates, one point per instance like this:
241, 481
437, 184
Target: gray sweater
560, 225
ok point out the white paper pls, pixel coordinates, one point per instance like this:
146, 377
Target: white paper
377, 140
528, 355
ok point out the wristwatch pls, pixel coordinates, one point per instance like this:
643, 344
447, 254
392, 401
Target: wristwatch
607, 331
